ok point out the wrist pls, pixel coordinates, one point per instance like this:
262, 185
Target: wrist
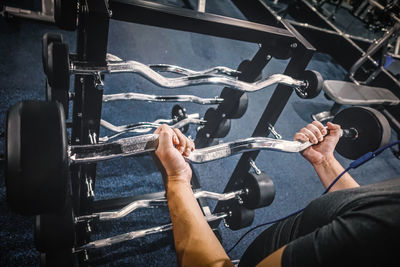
325, 161
176, 187
176, 182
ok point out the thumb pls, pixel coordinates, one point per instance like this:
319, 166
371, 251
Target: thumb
334, 129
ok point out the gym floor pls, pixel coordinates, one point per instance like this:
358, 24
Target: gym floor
22, 77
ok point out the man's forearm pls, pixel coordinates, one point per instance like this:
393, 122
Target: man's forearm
195, 242
329, 169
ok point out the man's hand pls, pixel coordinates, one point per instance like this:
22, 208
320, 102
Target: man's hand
172, 146
324, 145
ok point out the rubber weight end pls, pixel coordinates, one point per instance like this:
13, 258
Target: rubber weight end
372, 127
314, 82
261, 190
36, 157
240, 217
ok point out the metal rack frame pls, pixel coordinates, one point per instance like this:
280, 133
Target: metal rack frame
93, 28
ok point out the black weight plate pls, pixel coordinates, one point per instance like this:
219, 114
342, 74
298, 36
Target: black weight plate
36, 157
202, 140
179, 113
223, 128
47, 39
240, 217
54, 232
58, 66
251, 77
216, 126
314, 84
261, 190
65, 14
235, 103
373, 131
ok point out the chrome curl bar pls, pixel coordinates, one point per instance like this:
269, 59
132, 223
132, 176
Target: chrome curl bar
145, 127
140, 233
146, 143
217, 75
166, 98
149, 203
180, 70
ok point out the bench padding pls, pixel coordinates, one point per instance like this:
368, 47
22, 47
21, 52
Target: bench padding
348, 93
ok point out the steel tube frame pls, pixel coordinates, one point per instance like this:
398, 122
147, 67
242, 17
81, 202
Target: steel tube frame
92, 40
154, 14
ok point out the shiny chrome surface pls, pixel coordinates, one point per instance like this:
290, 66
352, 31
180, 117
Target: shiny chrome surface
243, 145
137, 234
183, 71
119, 148
165, 98
217, 75
148, 203
145, 127
147, 143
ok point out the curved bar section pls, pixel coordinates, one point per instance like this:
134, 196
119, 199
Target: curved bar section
179, 70
200, 78
240, 146
218, 196
166, 98
192, 118
105, 216
145, 127
147, 203
134, 126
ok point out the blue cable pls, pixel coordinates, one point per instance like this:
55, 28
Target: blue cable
353, 165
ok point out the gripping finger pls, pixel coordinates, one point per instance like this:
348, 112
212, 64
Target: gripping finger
189, 147
300, 137
320, 127
182, 140
315, 130
311, 137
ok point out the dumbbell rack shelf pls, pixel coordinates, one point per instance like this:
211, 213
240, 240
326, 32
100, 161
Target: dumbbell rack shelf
92, 40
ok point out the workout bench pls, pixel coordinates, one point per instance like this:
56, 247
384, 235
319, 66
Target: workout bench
348, 93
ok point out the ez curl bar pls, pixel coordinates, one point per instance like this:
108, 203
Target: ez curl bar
147, 203
167, 98
180, 120
58, 67
56, 231
38, 155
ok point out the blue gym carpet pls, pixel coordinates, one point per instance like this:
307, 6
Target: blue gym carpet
22, 77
